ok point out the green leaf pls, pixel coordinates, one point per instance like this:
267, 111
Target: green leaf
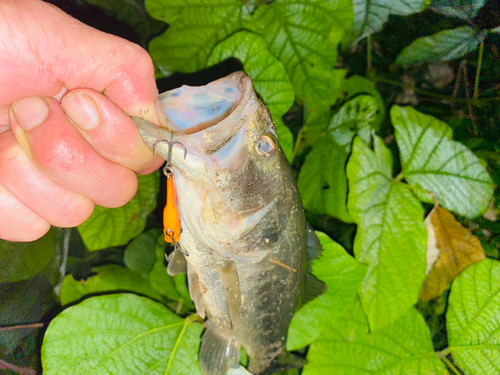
433, 161
303, 35
109, 278
322, 180
116, 226
442, 46
195, 27
316, 117
22, 260
140, 254
464, 9
404, 347
357, 116
268, 76
120, 334
343, 275
473, 322
356, 85
371, 15
391, 236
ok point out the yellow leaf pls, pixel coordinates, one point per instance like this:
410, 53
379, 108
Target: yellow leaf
450, 249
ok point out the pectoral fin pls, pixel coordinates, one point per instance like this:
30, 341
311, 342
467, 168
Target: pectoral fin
196, 292
218, 351
231, 285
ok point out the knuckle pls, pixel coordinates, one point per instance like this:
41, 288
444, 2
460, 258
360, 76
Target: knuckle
61, 154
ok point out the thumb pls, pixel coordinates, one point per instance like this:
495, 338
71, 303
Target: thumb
109, 130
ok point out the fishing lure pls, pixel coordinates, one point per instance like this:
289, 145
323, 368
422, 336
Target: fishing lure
171, 216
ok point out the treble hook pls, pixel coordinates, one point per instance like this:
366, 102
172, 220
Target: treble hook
171, 233
171, 143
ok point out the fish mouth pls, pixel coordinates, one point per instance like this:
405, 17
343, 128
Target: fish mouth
194, 109
206, 126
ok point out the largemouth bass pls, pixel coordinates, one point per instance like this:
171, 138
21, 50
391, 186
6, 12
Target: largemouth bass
243, 226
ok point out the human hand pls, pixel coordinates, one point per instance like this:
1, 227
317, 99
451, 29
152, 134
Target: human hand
66, 139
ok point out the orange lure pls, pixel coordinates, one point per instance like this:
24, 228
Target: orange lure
171, 217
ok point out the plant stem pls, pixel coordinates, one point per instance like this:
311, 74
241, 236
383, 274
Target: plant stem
469, 102
419, 91
178, 308
399, 177
369, 72
21, 326
297, 144
478, 70
442, 356
4, 365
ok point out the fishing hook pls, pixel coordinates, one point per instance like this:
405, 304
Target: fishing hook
171, 233
167, 170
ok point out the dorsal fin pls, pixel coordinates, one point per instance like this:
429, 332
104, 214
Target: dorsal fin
314, 247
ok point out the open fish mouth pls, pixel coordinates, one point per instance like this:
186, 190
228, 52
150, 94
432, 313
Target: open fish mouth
205, 118
194, 109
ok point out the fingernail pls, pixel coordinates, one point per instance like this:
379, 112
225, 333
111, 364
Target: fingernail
30, 112
81, 110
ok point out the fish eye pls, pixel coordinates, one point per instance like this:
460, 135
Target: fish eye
265, 146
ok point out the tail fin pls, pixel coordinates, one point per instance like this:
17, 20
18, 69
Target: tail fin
218, 351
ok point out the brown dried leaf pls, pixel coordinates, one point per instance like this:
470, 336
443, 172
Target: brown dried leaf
457, 248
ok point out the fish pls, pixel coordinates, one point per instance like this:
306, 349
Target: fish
244, 236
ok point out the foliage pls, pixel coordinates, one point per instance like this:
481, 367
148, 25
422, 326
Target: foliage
342, 275
443, 46
473, 319
337, 77
403, 347
391, 237
371, 15
269, 77
448, 44
432, 160
116, 226
20, 261
123, 334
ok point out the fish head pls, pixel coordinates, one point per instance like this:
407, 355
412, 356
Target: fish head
232, 136
233, 162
